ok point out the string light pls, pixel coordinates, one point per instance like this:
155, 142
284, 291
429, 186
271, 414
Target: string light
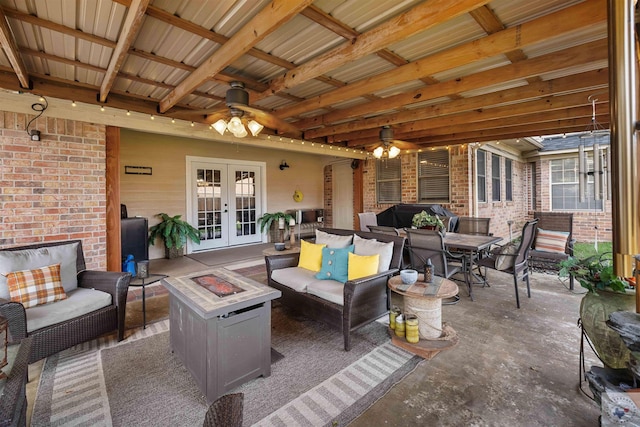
173, 120
128, 113
102, 108
192, 124
73, 103
152, 117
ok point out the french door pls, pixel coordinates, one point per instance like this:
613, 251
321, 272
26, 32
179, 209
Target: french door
224, 203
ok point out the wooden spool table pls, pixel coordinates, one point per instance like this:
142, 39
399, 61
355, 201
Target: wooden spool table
425, 301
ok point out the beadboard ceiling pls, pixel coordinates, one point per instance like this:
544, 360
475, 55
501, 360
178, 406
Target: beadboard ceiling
438, 72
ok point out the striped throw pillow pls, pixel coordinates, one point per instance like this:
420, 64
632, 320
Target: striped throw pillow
36, 287
551, 241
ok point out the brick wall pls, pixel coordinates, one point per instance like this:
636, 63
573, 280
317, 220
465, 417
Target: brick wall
53, 189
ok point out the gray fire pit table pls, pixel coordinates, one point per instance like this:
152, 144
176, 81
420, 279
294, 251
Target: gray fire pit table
220, 328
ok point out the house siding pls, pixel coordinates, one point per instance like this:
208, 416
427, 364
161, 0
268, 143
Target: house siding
53, 189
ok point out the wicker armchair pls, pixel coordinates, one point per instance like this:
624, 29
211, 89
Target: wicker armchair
60, 336
226, 411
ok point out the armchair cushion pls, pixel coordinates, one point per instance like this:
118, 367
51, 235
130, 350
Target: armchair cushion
27, 259
310, 256
329, 290
78, 302
551, 241
335, 264
36, 287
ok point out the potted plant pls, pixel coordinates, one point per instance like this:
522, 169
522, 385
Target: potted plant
428, 221
606, 293
174, 233
272, 223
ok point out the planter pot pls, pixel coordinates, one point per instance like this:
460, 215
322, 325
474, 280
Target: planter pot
594, 312
172, 253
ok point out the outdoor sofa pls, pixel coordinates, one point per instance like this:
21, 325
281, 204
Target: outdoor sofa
95, 301
344, 306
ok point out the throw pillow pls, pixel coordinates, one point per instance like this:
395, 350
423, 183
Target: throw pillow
36, 287
333, 240
373, 247
551, 241
335, 264
310, 256
362, 265
505, 256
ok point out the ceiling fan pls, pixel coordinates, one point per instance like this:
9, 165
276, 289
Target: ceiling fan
390, 147
237, 99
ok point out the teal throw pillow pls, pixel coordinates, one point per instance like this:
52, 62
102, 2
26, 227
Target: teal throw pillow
335, 264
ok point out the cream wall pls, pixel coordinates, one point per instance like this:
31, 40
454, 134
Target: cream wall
164, 190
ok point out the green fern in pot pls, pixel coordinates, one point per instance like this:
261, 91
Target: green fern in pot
174, 232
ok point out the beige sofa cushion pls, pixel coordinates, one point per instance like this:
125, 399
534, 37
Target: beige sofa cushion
79, 301
296, 278
329, 290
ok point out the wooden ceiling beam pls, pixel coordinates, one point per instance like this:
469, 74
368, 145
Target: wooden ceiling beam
592, 52
128, 33
420, 18
10, 47
262, 24
563, 21
589, 81
549, 103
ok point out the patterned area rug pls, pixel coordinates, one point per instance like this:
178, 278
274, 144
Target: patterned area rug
140, 382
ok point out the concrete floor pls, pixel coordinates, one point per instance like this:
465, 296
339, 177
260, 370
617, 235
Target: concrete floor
512, 367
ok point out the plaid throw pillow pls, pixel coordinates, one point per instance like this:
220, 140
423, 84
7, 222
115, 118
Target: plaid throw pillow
551, 241
36, 287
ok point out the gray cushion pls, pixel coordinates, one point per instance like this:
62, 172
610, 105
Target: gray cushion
373, 247
334, 241
296, 278
28, 259
329, 290
79, 301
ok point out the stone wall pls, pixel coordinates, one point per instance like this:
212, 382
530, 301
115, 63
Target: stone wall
53, 189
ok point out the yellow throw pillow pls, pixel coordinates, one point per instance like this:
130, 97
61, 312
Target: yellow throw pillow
310, 256
36, 287
362, 265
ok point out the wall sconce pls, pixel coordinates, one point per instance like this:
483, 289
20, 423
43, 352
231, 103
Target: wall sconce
283, 165
35, 134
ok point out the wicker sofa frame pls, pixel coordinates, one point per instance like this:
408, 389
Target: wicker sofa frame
365, 300
60, 336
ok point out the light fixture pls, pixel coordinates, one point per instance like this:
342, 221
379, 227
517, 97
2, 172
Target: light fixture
236, 127
283, 165
385, 151
254, 127
34, 134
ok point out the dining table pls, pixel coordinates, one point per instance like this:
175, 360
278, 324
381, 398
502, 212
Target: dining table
472, 246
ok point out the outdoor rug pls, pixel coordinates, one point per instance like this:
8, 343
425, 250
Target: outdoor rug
140, 382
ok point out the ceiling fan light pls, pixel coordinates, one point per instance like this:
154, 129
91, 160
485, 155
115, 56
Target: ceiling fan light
235, 125
241, 133
220, 126
254, 127
393, 152
378, 152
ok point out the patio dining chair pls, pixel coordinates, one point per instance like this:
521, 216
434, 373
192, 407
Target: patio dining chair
470, 225
383, 229
514, 259
367, 219
429, 244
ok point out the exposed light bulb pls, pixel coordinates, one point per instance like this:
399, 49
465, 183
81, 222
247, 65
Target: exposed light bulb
102, 108
173, 120
220, 126
128, 113
73, 103
152, 117
192, 124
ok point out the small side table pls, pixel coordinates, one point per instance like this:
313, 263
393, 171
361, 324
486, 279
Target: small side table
153, 278
287, 251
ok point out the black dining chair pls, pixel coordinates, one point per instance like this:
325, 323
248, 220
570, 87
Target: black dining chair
470, 225
429, 244
514, 258
383, 229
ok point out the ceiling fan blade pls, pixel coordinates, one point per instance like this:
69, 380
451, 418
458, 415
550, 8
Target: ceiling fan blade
404, 145
202, 112
271, 121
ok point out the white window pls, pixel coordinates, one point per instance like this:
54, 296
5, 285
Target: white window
433, 176
481, 173
389, 180
565, 193
495, 178
508, 180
